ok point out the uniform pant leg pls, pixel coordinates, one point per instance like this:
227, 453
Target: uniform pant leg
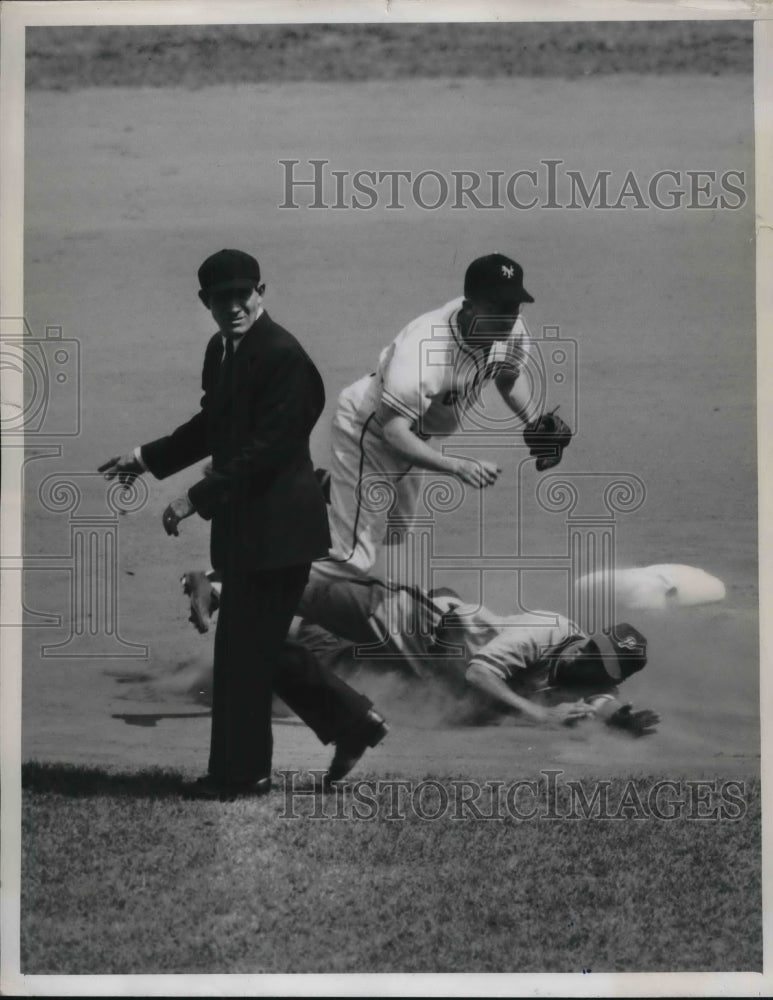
340, 604
404, 547
318, 697
365, 475
256, 610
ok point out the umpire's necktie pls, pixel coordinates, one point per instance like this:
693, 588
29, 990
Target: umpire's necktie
225, 376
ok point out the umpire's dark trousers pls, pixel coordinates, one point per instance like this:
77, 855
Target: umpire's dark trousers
253, 659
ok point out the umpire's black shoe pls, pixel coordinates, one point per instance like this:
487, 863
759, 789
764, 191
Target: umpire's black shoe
219, 791
350, 748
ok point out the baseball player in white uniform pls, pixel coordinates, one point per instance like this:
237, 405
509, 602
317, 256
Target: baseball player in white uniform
394, 622
545, 666
539, 664
427, 381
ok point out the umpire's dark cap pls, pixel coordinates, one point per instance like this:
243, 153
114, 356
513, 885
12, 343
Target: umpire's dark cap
228, 267
495, 278
622, 652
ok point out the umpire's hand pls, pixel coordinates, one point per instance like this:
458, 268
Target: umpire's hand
176, 511
125, 467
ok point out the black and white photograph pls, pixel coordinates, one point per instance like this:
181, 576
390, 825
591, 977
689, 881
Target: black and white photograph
383, 483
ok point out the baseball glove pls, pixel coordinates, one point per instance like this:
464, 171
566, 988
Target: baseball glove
546, 437
641, 723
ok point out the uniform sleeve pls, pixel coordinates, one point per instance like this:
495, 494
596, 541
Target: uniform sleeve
414, 373
511, 356
507, 654
519, 647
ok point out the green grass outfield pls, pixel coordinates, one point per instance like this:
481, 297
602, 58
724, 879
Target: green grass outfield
120, 875
200, 55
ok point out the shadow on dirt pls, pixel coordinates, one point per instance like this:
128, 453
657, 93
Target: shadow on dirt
152, 718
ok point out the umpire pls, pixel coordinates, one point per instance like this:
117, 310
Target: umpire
262, 397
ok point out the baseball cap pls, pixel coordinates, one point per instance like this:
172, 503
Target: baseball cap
228, 266
622, 652
603, 658
495, 277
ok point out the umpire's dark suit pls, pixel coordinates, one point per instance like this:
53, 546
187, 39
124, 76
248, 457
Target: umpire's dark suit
269, 521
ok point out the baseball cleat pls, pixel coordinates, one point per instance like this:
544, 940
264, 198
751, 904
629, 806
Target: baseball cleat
204, 600
349, 749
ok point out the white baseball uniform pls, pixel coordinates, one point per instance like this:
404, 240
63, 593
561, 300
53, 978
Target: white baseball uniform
518, 649
385, 621
429, 375
344, 619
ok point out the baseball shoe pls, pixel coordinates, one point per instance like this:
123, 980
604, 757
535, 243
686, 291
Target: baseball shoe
204, 600
218, 791
349, 749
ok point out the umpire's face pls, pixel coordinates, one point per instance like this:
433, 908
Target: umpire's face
234, 305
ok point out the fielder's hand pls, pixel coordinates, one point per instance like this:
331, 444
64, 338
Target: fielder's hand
176, 512
125, 467
476, 472
641, 723
547, 436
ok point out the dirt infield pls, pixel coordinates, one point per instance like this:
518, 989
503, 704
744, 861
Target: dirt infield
127, 190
